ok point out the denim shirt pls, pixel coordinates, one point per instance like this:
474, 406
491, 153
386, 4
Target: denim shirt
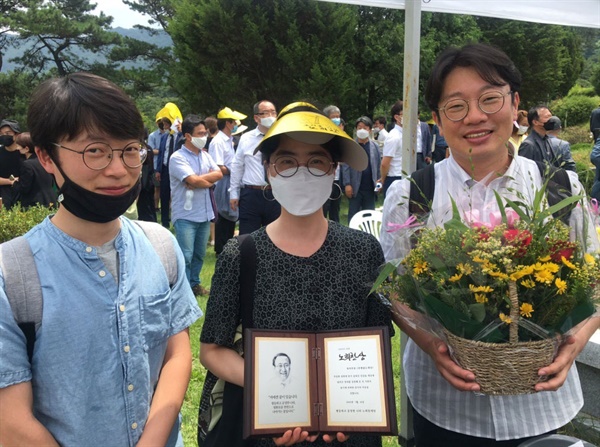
100, 348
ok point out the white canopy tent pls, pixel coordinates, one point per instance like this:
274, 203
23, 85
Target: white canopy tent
583, 13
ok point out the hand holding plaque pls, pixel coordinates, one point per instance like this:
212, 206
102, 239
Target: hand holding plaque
337, 381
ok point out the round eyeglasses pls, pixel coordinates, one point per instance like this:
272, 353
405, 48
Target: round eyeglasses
98, 156
287, 166
489, 103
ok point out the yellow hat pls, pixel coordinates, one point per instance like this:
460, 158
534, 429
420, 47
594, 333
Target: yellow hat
171, 112
227, 114
302, 121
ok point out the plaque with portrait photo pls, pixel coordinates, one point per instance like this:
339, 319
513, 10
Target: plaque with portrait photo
334, 381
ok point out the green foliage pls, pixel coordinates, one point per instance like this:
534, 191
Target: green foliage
15, 88
17, 221
577, 134
54, 28
549, 57
580, 90
575, 109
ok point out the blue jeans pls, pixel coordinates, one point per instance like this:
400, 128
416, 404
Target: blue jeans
192, 238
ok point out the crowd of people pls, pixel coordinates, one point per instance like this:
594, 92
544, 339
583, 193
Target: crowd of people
109, 359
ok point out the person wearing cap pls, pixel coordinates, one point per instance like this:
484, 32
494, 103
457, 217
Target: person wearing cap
360, 186
539, 146
222, 152
249, 190
10, 159
312, 274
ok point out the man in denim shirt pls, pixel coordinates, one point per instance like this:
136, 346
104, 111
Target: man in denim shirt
112, 358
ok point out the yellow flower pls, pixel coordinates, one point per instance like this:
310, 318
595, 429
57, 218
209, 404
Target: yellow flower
505, 318
484, 289
545, 258
498, 275
528, 283
527, 270
549, 266
560, 285
568, 263
420, 267
589, 259
455, 278
465, 269
481, 298
526, 310
544, 276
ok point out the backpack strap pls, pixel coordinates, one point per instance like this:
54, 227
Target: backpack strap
422, 188
162, 241
247, 279
558, 188
22, 287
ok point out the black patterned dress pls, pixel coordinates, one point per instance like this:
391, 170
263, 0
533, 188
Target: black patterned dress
326, 291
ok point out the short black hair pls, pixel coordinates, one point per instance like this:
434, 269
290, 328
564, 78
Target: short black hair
190, 123
67, 106
381, 119
534, 113
396, 109
491, 63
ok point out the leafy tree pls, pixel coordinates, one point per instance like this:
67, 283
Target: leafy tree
549, 57
52, 29
233, 52
15, 88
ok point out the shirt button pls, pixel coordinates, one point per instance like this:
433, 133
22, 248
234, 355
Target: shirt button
130, 387
102, 273
88, 249
126, 348
122, 308
134, 426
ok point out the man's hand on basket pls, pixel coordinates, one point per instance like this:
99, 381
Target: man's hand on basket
567, 353
459, 378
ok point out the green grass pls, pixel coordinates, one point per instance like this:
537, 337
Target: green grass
192, 398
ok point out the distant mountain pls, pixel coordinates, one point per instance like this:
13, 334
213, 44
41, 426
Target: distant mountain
15, 46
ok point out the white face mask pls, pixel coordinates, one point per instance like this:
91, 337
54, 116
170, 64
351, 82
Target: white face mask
268, 121
362, 133
199, 142
301, 194
522, 130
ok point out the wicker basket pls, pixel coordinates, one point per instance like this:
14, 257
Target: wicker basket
504, 368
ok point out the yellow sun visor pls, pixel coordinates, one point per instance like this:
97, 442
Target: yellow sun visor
315, 128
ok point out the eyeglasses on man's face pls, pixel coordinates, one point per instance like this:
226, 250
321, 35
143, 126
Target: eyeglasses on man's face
267, 113
489, 103
318, 165
98, 156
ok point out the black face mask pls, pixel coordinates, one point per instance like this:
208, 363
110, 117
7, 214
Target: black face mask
94, 207
6, 140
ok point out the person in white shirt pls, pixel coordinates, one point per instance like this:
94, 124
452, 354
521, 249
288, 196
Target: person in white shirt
222, 152
391, 161
448, 409
379, 129
249, 190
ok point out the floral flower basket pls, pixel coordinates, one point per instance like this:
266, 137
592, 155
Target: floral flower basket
506, 292
505, 368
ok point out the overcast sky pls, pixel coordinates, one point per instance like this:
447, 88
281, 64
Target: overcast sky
122, 15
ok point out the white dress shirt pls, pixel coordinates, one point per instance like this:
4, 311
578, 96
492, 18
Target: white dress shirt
247, 168
497, 417
221, 150
392, 147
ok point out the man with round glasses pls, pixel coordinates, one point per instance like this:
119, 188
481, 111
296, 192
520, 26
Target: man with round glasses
111, 358
473, 94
